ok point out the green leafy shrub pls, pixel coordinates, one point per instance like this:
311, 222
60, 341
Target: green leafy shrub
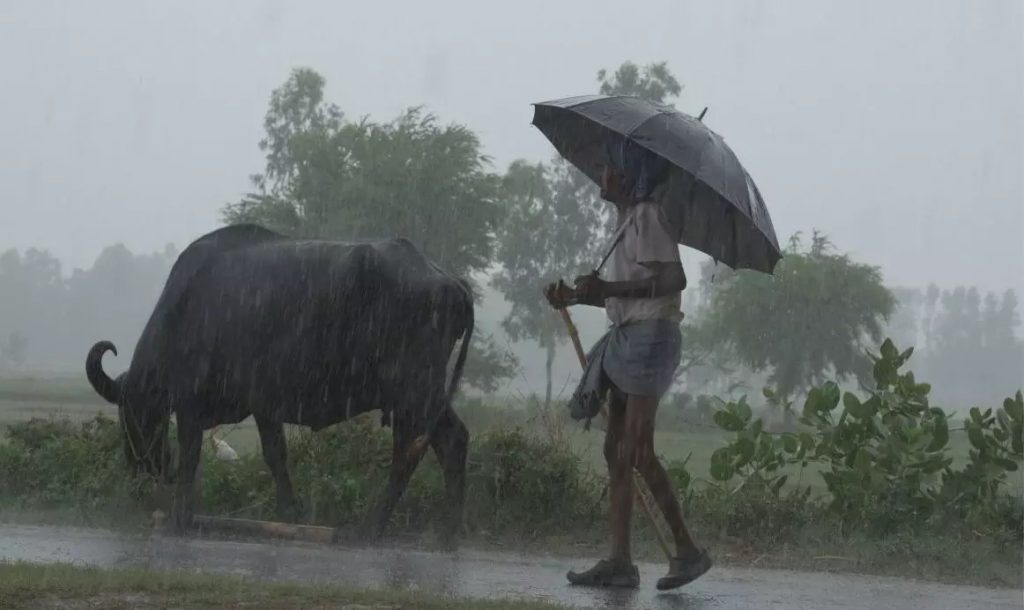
976, 493
754, 454
885, 454
887, 457
755, 512
518, 482
53, 463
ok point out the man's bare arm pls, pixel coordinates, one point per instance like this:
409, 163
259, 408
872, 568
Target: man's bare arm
669, 278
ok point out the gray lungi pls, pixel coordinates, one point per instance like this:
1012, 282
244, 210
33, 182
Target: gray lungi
638, 358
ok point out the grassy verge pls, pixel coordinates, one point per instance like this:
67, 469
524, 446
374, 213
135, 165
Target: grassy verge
28, 586
534, 484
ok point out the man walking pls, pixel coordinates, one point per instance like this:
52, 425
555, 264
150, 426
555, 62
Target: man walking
634, 364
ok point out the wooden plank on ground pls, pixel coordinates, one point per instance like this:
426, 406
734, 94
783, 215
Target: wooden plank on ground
274, 529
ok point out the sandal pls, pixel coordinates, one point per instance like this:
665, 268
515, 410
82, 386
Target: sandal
607, 574
682, 571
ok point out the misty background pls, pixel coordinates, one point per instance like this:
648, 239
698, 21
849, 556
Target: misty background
897, 129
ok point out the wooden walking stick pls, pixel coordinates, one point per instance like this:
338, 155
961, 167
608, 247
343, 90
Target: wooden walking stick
638, 483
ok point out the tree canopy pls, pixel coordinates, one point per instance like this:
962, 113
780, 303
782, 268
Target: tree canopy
413, 177
329, 177
815, 316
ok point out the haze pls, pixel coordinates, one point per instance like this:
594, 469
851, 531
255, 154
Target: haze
896, 128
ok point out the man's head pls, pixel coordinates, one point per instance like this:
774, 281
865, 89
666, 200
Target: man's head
616, 187
631, 172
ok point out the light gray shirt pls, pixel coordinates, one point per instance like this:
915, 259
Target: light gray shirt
646, 238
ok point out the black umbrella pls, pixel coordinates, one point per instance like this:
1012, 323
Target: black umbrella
711, 197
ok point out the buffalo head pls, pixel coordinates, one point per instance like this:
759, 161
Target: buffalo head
145, 426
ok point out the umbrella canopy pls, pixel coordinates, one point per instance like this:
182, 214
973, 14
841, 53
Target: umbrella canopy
708, 194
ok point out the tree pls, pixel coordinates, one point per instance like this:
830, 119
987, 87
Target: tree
32, 300
15, 350
552, 231
906, 318
63, 315
555, 224
654, 82
327, 177
413, 177
808, 319
973, 353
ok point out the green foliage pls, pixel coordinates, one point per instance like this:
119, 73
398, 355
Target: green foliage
520, 483
53, 463
755, 455
489, 363
517, 484
887, 459
976, 491
808, 319
552, 231
885, 454
654, 81
756, 512
327, 177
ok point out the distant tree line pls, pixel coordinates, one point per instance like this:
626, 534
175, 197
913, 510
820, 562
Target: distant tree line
49, 318
328, 176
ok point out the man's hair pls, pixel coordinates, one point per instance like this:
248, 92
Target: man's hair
643, 169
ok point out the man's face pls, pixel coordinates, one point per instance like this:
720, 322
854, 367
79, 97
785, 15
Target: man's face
614, 187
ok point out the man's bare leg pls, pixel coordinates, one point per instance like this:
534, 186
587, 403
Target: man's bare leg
618, 569
618, 450
648, 465
690, 561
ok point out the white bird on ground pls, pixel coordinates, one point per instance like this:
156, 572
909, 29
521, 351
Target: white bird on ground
222, 450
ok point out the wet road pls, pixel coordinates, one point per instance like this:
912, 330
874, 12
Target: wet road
486, 574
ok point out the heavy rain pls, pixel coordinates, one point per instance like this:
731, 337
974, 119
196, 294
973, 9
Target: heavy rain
512, 305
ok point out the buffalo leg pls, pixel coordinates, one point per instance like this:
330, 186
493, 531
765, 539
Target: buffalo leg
275, 454
190, 441
403, 464
450, 441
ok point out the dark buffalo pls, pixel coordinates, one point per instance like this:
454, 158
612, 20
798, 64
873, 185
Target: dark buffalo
301, 332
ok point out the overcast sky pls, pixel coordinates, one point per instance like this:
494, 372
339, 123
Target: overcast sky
895, 127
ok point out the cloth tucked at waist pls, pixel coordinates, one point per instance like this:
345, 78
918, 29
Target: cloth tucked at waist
639, 358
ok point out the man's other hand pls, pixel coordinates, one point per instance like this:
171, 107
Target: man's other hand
559, 295
591, 289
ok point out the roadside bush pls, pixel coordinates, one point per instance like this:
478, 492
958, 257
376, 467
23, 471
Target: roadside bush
517, 484
884, 458
888, 461
755, 512
53, 463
